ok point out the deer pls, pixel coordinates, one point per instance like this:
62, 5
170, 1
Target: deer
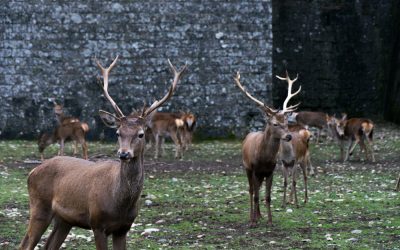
75, 131
101, 196
292, 153
68, 128
312, 119
353, 131
178, 126
260, 150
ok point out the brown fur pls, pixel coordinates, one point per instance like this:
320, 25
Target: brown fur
102, 196
173, 125
292, 153
353, 131
74, 131
259, 152
312, 119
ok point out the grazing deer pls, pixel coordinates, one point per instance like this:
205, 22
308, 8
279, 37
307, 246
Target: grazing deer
178, 126
292, 153
353, 131
101, 196
68, 128
312, 119
75, 131
260, 149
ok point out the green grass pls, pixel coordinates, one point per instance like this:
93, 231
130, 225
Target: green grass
204, 204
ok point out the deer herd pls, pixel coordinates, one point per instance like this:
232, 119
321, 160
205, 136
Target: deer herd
104, 196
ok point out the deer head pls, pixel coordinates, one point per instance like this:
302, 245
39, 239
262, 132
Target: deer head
276, 119
131, 128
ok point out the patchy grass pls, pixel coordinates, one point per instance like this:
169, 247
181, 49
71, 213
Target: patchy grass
202, 201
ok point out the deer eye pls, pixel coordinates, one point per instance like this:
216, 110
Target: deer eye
140, 135
276, 124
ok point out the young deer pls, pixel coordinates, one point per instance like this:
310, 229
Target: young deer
292, 153
353, 131
101, 196
178, 126
75, 131
68, 128
260, 149
312, 119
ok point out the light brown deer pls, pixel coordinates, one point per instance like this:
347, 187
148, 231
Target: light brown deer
178, 126
101, 196
353, 132
260, 149
292, 153
68, 128
312, 119
75, 131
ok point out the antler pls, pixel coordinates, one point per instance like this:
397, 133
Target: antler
290, 95
260, 103
177, 76
105, 73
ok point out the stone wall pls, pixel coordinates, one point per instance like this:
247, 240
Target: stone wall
342, 51
47, 50
346, 54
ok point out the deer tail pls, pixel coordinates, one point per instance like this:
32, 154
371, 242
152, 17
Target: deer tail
368, 129
179, 123
85, 127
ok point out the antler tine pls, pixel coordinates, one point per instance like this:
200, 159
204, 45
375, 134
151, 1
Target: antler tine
290, 82
237, 81
105, 72
177, 76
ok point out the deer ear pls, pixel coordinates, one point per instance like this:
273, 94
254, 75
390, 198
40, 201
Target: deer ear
109, 119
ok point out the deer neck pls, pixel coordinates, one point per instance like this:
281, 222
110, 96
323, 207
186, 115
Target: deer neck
130, 180
269, 145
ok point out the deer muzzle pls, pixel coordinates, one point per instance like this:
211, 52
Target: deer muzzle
125, 154
288, 137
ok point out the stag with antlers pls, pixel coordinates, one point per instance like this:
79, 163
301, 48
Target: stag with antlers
260, 149
101, 196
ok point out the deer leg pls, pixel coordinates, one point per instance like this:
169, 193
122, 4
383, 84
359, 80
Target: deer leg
309, 165
304, 168
100, 239
342, 142
84, 150
268, 187
349, 149
75, 148
318, 134
294, 183
285, 177
157, 139
364, 148
119, 241
178, 145
61, 147
371, 147
58, 234
398, 184
251, 193
39, 221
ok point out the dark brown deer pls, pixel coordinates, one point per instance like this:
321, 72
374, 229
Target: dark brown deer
353, 132
260, 149
312, 119
292, 153
101, 196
